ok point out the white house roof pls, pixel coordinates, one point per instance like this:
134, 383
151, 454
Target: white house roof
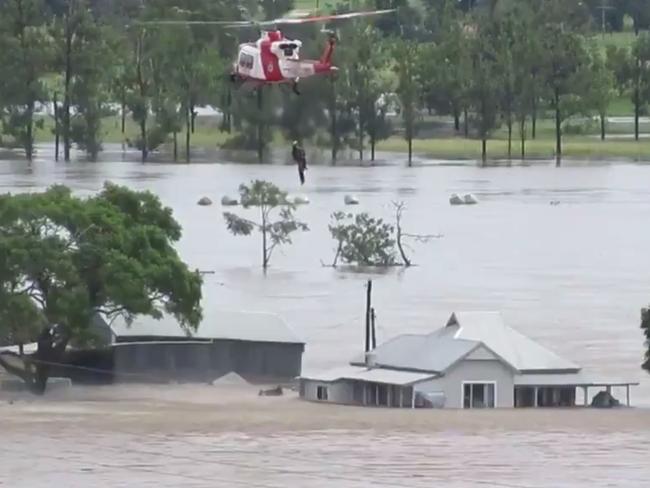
216, 324
521, 352
466, 332
373, 375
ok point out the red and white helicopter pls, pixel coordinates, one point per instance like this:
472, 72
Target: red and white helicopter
274, 59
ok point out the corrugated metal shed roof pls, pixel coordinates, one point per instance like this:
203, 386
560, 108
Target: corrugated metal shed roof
521, 352
216, 324
371, 375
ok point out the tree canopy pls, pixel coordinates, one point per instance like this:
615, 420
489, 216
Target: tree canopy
64, 259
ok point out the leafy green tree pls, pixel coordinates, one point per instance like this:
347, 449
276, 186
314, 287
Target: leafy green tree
80, 41
485, 87
407, 59
362, 240
601, 88
64, 259
25, 56
445, 64
275, 231
565, 71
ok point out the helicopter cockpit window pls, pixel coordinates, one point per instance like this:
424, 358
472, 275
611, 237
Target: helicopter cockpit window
288, 48
246, 61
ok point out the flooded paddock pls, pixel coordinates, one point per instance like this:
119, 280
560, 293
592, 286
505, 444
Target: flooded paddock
224, 437
572, 275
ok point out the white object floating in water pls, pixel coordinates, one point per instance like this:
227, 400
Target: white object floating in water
298, 199
351, 200
454, 199
204, 201
229, 201
470, 199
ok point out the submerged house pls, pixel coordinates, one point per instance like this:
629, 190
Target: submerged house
475, 361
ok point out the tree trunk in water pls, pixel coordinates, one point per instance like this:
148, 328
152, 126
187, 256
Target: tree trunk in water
29, 143
558, 129
123, 102
260, 136
456, 121
637, 103
188, 132
602, 127
405, 259
143, 135
67, 82
193, 115
56, 127
372, 146
175, 139
361, 129
466, 121
522, 134
509, 137
484, 150
334, 128
410, 143
534, 119
265, 258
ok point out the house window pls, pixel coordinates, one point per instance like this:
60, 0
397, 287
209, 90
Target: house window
479, 395
321, 393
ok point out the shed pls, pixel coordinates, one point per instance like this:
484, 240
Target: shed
258, 346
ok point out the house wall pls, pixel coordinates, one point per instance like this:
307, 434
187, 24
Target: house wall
341, 392
451, 384
204, 362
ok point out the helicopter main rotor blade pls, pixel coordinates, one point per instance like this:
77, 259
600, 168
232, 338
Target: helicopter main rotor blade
226, 23
324, 18
252, 23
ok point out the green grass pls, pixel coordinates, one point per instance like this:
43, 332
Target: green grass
207, 135
577, 147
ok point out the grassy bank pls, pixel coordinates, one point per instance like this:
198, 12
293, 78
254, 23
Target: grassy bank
576, 147
438, 145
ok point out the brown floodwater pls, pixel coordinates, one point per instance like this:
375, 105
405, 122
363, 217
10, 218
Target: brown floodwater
203, 436
572, 275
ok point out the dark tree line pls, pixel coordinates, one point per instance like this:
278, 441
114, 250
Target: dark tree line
489, 65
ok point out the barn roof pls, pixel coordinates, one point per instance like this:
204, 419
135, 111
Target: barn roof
464, 333
216, 324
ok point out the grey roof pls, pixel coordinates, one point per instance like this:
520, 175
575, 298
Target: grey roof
216, 324
465, 332
431, 352
371, 375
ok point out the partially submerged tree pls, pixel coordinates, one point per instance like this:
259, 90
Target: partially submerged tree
64, 259
362, 240
645, 326
269, 199
401, 236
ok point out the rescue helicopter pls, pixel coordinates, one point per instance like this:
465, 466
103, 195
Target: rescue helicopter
274, 59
